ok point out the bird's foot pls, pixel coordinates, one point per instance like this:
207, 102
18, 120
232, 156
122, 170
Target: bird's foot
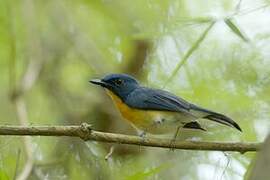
142, 135
173, 141
172, 144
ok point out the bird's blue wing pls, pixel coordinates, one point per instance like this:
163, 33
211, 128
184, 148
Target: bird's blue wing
154, 99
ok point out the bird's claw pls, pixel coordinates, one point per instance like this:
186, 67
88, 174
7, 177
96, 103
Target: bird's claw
172, 144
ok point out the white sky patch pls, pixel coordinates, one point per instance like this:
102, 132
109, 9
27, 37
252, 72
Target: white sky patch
251, 92
223, 167
168, 54
262, 128
230, 86
262, 123
255, 22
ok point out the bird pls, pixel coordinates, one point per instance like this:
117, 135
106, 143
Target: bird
156, 111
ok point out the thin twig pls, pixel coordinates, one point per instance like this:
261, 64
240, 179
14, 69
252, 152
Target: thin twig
110, 153
238, 6
26, 83
248, 11
86, 133
23, 119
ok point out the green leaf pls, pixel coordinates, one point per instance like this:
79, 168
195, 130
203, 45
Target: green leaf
198, 20
3, 175
232, 25
189, 52
148, 173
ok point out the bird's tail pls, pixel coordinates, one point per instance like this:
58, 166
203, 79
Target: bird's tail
217, 117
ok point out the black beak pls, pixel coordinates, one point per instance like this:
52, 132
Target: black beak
98, 82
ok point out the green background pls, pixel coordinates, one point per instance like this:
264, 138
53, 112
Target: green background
213, 53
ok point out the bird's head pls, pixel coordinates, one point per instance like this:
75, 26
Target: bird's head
120, 84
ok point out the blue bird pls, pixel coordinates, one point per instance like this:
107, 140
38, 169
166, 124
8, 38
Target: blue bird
155, 111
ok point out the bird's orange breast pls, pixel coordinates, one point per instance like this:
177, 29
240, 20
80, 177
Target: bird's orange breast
135, 116
142, 119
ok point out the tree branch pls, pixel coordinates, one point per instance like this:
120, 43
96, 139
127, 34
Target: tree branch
85, 132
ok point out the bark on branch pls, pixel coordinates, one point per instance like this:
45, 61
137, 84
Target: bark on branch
85, 132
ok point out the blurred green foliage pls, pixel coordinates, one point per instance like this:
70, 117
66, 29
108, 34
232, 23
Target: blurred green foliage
74, 41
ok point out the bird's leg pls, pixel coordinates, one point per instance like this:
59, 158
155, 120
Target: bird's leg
142, 135
172, 144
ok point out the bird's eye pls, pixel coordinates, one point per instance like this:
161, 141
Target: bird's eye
118, 81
